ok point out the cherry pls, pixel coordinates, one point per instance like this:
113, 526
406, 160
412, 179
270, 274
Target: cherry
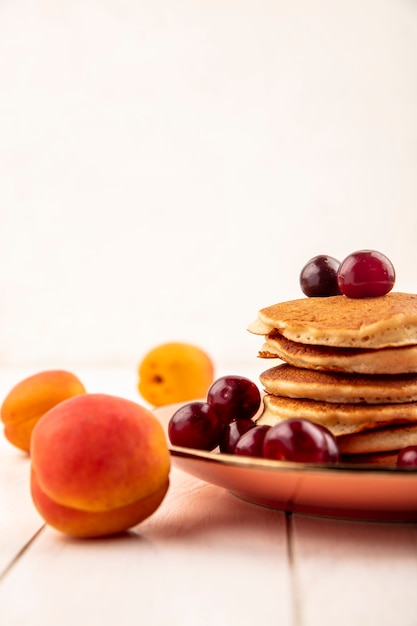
301, 441
319, 277
366, 274
332, 445
234, 397
232, 432
251, 442
195, 425
407, 457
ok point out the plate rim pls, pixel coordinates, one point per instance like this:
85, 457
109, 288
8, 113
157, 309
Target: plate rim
272, 465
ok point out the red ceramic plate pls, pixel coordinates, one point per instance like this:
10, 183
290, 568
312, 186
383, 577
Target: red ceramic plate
355, 492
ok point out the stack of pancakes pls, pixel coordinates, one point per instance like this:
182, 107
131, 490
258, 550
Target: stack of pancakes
350, 365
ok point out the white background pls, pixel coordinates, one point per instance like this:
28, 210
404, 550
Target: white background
167, 167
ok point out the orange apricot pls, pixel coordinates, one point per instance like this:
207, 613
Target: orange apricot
99, 465
174, 372
27, 402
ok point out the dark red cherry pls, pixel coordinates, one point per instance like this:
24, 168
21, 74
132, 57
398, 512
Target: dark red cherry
195, 425
319, 277
366, 274
234, 397
302, 441
407, 457
251, 443
332, 447
232, 432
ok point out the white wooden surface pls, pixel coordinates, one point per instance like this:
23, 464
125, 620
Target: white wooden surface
203, 558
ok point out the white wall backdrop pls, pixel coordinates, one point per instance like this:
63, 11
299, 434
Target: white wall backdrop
166, 168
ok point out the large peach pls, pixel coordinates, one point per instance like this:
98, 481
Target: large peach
100, 465
175, 372
27, 401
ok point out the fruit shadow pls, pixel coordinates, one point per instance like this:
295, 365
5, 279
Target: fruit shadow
129, 538
201, 512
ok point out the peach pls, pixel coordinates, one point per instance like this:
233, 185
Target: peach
99, 465
175, 372
27, 401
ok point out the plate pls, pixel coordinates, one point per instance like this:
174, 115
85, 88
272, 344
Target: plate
361, 492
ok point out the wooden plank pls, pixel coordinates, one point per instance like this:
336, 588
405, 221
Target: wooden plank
204, 558
348, 572
19, 520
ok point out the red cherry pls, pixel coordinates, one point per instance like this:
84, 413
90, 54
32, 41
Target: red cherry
302, 441
195, 425
366, 274
234, 397
251, 442
407, 457
232, 432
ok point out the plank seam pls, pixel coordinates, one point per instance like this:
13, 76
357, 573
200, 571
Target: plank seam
295, 592
21, 552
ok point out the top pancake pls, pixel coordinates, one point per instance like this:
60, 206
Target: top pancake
386, 321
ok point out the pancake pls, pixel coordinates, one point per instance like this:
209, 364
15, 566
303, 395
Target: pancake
293, 382
388, 459
386, 321
401, 360
379, 440
339, 418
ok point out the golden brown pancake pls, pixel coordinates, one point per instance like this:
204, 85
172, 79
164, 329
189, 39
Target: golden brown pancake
294, 382
401, 360
379, 440
339, 418
382, 322
388, 459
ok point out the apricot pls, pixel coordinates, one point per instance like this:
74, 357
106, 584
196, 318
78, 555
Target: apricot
99, 465
27, 401
175, 372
